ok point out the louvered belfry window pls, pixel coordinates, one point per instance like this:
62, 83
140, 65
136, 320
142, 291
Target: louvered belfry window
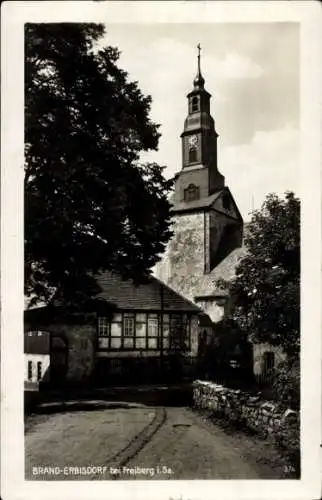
192, 155
194, 104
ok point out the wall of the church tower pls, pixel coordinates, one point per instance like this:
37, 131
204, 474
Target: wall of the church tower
185, 255
185, 261
187, 264
216, 227
197, 176
224, 236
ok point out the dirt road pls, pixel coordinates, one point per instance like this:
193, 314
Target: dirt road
164, 443
188, 447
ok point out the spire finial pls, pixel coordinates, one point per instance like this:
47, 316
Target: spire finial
199, 81
199, 50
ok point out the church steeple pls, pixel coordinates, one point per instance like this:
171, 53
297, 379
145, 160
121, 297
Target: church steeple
199, 143
207, 224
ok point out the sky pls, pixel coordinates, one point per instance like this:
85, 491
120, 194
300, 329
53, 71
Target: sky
252, 72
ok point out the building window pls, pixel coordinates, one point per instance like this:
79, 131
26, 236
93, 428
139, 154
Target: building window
116, 332
176, 331
39, 370
179, 332
29, 370
192, 155
194, 104
128, 325
166, 331
153, 327
153, 331
191, 193
142, 331
103, 327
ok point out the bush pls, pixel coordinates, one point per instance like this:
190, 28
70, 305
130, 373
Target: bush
286, 384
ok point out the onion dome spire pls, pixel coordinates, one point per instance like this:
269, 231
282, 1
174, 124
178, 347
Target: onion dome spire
199, 80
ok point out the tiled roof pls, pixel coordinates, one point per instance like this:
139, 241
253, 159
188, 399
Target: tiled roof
196, 204
125, 295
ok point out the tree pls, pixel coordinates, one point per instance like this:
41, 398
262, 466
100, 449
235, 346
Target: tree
286, 383
266, 289
89, 204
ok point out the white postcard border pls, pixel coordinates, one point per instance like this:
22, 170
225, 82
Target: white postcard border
14, 15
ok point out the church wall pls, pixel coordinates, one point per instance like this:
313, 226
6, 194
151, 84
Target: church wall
209, 145
191, 251
230, 210
199, 177
183, 262
223, 238
216, 227
216, 180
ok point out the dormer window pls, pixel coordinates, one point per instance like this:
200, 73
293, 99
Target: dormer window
194, 104
191, 193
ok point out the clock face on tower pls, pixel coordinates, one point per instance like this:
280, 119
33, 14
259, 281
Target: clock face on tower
193, 140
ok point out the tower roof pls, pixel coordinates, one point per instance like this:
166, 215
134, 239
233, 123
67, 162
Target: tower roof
199, 81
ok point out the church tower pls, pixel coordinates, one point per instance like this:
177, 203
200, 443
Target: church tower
207, 224
199, 176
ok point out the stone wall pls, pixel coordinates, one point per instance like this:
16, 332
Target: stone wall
268, 419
